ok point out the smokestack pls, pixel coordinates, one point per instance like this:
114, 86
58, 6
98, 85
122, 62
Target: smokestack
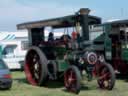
84, 12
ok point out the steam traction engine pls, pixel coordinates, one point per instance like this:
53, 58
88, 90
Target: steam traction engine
113, 42
67, 57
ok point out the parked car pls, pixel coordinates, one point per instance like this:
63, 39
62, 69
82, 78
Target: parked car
5, 76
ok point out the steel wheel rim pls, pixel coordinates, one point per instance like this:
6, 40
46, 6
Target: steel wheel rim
104, 79
70, 80
33, 67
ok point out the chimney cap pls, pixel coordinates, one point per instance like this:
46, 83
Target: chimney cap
84, 11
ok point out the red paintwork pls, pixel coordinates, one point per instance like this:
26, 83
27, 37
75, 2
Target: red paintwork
29, 75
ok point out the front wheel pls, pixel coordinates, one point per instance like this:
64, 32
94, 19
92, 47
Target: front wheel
72, 79
106, 76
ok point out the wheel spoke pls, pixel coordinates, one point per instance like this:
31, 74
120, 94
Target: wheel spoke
104, 76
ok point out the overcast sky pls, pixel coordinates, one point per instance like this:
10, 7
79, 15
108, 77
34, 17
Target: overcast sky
13, 12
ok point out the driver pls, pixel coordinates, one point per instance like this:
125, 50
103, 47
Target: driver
50, 37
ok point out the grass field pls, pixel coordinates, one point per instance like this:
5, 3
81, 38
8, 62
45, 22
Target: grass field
22, 88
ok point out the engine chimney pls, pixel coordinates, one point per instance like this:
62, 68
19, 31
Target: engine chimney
84, 12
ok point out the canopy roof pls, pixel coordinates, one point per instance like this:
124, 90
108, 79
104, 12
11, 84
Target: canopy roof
118, 23
66, 21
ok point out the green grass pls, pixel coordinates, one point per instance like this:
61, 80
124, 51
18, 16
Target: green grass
22, 88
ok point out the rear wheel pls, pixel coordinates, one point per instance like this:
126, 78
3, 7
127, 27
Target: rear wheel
106, 79
72, 79
35, 66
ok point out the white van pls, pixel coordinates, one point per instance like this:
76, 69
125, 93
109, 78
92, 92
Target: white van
14, 47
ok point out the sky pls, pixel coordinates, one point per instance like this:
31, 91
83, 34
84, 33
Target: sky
13, 12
